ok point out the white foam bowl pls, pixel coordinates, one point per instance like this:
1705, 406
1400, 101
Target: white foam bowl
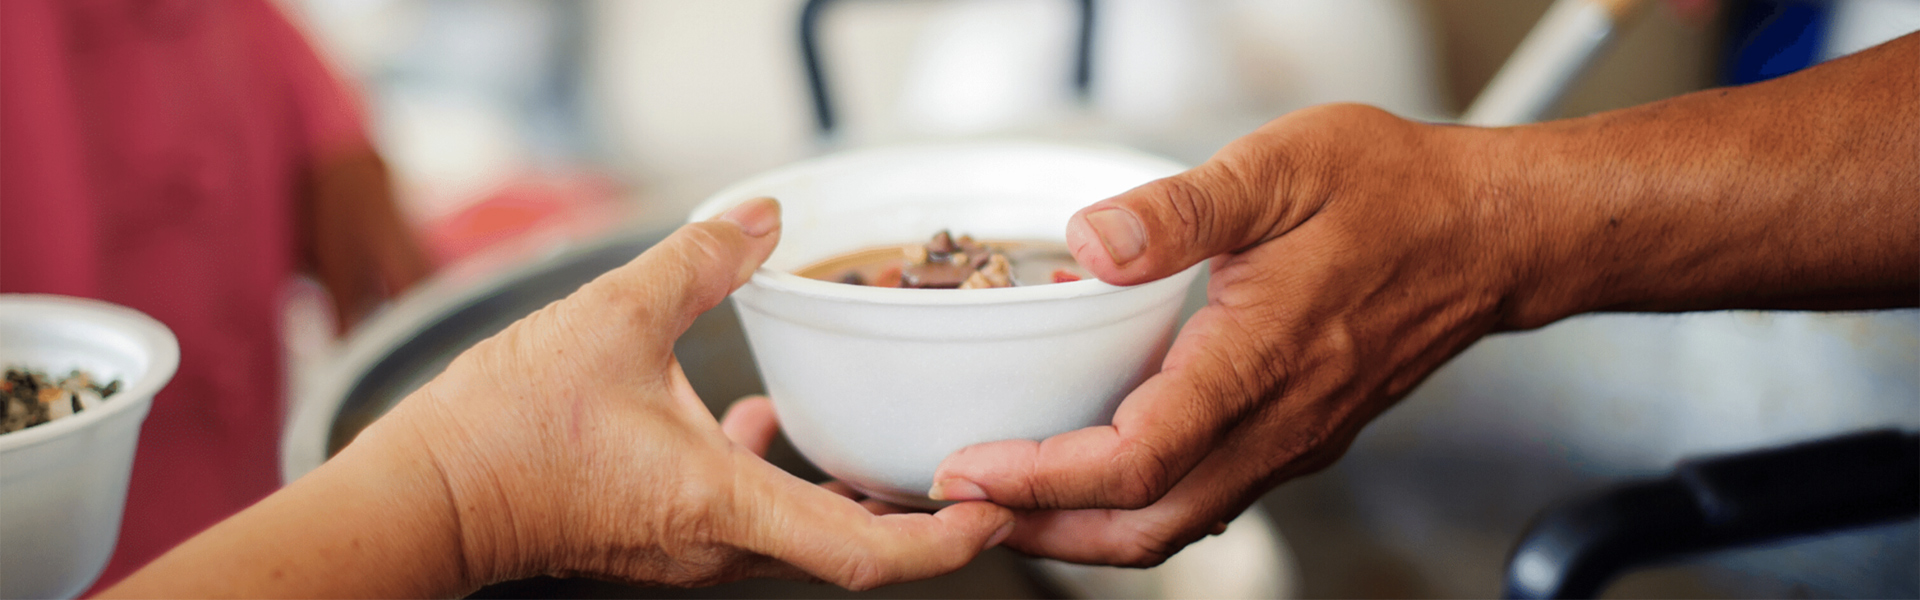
877, 385
63, 484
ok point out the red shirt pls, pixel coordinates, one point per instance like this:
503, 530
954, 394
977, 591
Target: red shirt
151, 154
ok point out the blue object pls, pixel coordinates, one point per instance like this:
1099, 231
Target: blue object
1770, 38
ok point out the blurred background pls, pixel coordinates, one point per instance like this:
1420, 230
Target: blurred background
526, 135
652, 105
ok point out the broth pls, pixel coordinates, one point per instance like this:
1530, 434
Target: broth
947, 263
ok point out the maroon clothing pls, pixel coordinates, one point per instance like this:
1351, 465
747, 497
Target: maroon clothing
151, 154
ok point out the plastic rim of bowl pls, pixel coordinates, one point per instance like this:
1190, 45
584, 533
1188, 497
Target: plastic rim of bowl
794, 284
163, 356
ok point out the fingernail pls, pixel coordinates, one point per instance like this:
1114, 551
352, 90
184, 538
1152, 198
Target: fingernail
1218, 528
999, 535
1120, 232
755, 217
957, 490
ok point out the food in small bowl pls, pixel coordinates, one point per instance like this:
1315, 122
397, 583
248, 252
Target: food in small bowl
877, 384
29, 397
63, 482
946, 262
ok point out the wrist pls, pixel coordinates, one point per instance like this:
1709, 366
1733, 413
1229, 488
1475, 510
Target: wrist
490, 543
417, 489
371, 522
1542, 223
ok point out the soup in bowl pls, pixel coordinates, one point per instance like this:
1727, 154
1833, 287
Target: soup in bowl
876, 384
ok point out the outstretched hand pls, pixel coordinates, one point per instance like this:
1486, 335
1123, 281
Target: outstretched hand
1342, 280
571, 444
1355, 252
576, 430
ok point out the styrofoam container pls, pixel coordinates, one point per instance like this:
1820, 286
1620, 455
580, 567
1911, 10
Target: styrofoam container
63, 484
877, 385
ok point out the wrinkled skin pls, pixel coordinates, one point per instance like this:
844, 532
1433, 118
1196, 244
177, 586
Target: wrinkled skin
633, 480
1355, 252
571, 444
1310, 331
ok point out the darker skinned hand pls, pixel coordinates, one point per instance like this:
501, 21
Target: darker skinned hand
1346, 268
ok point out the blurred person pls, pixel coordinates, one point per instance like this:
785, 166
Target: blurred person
1354, 252
571, 444
186, 158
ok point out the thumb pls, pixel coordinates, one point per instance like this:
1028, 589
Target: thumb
659, 294
1167, 225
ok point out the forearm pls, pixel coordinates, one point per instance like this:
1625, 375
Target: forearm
355, 238
1802, 192
372, 522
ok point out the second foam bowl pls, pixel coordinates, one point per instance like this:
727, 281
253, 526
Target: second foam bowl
877, 385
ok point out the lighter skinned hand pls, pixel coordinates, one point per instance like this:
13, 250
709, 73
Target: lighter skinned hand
1344, 277
571, 444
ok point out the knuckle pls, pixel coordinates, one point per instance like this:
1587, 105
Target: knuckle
704, 240
1265, 375
862, 573
672, 274
1135, 491
681, 258
1257, 369
1304, 156
1145, 475
1259, 173
1186, 205
697, 509
1041, 490
1341, 347
1147, 547
1345, 113
1245, 287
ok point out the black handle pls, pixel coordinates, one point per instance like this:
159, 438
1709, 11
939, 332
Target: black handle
1571, 551
817, 81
